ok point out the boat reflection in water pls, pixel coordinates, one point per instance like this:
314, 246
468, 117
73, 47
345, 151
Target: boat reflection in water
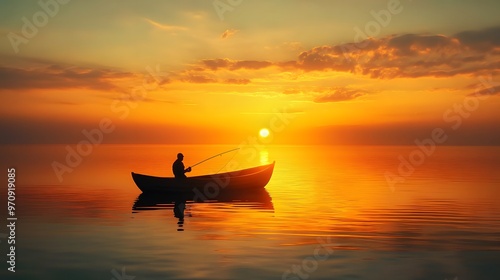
179, 208
258, 199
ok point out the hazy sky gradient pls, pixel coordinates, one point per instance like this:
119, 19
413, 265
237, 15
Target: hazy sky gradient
329, 72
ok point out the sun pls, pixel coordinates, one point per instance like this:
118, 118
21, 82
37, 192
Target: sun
264, 132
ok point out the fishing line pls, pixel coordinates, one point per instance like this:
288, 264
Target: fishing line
226, 163
220, 154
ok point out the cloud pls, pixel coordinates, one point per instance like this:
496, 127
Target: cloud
410, 55
414, 44
215, 64
339, 94
494, 90
250, 64
228, 33
197, 15
292, 91
237, 81
197, 79
394, 56
56, 76
485, 40
155, 100
164, 26
224, 63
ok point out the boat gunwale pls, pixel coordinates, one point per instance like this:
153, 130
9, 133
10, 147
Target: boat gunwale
261, 169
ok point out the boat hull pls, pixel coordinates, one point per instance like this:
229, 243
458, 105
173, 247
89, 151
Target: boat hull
246, 179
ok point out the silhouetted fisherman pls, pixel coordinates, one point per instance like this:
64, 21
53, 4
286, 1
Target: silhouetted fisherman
178, 167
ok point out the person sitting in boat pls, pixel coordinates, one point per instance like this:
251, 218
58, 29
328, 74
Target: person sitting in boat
178, 167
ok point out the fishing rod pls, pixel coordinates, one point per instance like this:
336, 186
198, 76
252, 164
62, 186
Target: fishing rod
214, 156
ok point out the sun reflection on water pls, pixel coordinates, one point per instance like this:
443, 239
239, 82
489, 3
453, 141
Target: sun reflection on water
264, 157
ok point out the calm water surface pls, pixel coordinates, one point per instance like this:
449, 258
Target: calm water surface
327, 213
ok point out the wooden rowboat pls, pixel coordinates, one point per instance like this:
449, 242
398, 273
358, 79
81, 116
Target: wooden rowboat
246, 179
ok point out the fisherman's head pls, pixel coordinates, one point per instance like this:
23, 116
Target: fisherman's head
180, 156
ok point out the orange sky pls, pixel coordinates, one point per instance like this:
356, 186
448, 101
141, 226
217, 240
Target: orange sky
373, 72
